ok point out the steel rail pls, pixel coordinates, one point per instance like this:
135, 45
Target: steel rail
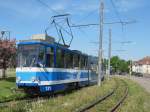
118, 104
99, 100
35, 98
27, 100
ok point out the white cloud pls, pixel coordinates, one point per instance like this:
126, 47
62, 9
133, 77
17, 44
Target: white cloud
87, 6
128, 5
76, 7
58, 7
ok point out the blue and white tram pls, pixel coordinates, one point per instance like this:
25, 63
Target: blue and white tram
49, 67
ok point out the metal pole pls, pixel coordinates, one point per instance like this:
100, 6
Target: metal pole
100, 43
109, 53
130, 68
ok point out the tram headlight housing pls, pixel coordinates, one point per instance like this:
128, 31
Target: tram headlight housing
33, 79
18, 79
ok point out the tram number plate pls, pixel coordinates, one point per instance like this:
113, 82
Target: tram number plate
48, 88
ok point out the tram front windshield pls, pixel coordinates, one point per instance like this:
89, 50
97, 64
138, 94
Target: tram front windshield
30, 55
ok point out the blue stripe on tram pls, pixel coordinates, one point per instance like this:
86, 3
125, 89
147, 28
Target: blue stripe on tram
50, 76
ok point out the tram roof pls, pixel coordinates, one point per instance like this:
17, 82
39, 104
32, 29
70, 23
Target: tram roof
57, 45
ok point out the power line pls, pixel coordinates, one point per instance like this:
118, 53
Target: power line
79, 29
68, 23
86, 25
120, 50
95, 24
127, 42
63, 29
47, 6
116, 11
118, 16
89, 14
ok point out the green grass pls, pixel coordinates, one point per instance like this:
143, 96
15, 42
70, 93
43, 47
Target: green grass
68, 103
138, 99
107, 104
7, 92
7, 87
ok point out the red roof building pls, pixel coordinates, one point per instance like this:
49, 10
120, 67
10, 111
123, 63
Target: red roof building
142, 66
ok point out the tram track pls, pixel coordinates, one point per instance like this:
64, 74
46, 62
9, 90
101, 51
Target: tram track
105, 97
122, 99
35, 98
25, 99
87, 107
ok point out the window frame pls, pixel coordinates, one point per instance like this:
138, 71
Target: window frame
21, 48
52, 53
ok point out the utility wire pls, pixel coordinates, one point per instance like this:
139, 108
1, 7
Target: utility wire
95, 24
88, 15
56, 24
47, 6
63, 29
70, 30
79, 29
116, 11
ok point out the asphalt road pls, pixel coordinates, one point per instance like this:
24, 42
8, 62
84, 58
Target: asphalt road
143, 81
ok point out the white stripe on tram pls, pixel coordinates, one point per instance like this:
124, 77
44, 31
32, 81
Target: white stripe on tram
36, 69
53, 82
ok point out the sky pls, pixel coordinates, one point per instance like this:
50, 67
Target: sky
24, 18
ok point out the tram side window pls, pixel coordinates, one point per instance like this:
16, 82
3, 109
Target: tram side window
60, 58
50, 57
41, 57
68, 60
82, 61
75, 60
80, 56
86, 62
63, 58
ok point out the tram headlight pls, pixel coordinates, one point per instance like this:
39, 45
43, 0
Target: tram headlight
18, 79
38, 80
33, 79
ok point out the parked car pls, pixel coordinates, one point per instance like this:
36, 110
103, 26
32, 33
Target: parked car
137, 74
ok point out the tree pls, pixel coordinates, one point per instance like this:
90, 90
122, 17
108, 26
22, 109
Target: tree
119, 65
105, 64
115, 63
124, 66
7, 54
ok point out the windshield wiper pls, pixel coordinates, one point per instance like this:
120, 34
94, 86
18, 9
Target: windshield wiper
32, 62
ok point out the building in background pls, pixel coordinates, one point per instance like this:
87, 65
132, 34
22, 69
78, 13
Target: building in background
142, 66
